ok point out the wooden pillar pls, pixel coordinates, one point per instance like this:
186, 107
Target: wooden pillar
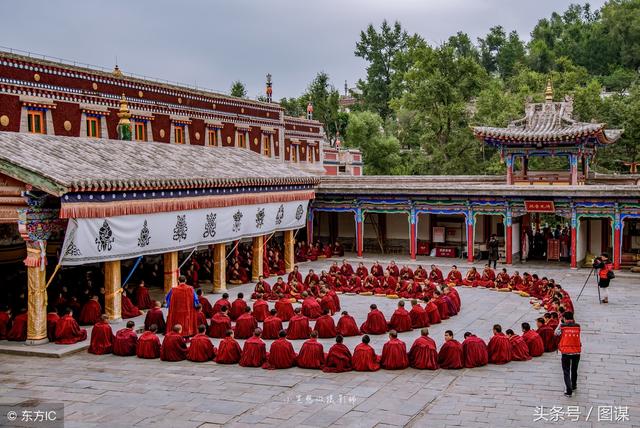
573, 160
413, 236
256, 259
470, 237
509, 162
289, 250
508, 223
36, 294
170, 271
574, 239
112, 290
219, 268
617, 241
359, 232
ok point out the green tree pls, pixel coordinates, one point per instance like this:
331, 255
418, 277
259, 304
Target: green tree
380, 152
325, 100
238, 89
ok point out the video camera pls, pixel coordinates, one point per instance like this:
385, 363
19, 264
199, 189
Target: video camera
600, 261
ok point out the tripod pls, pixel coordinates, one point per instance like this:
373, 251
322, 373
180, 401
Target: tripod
585, 283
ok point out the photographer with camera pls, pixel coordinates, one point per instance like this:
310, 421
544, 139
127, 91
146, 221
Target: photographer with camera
605, 275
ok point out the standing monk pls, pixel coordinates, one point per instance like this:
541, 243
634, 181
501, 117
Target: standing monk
182, 302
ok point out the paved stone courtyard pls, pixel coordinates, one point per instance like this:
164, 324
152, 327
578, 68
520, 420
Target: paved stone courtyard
120, 392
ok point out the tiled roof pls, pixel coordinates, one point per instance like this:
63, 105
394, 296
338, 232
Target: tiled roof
89, 164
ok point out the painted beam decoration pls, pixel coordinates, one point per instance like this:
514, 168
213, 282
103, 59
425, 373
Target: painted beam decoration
539, 206
92, 240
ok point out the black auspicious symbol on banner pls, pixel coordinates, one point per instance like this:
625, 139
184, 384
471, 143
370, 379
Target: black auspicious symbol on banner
299, 212
210, 226
180, 231
105, 237
280, 215
237, 218
145, 237
260, 218
72, 250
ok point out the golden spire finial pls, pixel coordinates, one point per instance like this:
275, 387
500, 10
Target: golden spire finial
116, 71
548, 92
124, 114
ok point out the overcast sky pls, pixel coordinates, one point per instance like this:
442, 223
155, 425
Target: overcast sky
214, 42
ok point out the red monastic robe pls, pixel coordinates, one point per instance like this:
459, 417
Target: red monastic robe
311, 355
327, 302
454, 277
237, 309
325, 326
548, 338
201, 349
254, 352
52, 321
18, 331
338, 359
365, 358
68, 331
423, 354
207, 309
217, 306
375, 323
433, 313
419, 317
143, 300
298, 328
534, 342
90, 313
400, 321
474, 352
148, 345
4, 325
229, 351
101, 339
394, 355
284, 309
519, 349
271, 327
347, 326
128, 309
260, 310
125, 342
245, 325
499, 349
182, 310
281, 355
311, 308
174, 347
220, 323
450, 355
155, 316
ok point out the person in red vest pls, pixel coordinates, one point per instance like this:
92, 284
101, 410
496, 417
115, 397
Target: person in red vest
605, 275
182, 302
570, 347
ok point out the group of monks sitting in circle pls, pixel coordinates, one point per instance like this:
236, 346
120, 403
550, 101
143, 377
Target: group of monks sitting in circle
317, 250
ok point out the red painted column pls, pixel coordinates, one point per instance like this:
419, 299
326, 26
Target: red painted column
509, 241
574, 239
509, 162
617, 241
573, 160
359, 232
413, 237
310, 227
470, 221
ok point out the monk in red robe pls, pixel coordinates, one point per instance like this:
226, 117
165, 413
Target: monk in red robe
311, 277
280, 287
155, 316
347, 326
327, 302
346, 269
126, 341
281, 354
435, 276
245, 325
362, 272
128, 309
68, 331
432, 311
262, 287
488, 278
200, 348
338, 358
91, 312
424, 353
52, 321
533, 340
499, 347
220, 323
182, 302
406, 273
271, 326
325, 326
310, 306
419, 317
238, 307
471, 278
338, 249
149, 344
207, 308
223, 301
450, 355
18, 330
388, 284
294, 274
375, 323
298, 326
400, 320
254, 351
101, 337
143, 300
364, 357
202, 319
260, 308
174, 347
237, 274
474, 351
519, 348
454, 276
516, 282
377, 270
311, 355
284, 308
5, 318
229, 351
394, 353
547, 335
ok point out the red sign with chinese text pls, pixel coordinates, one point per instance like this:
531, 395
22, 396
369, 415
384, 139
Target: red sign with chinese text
539, 206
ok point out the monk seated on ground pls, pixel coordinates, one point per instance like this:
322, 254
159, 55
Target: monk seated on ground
325, 326
310, 306
394, 353
432, 311
375, 323
91, 312
499, 347
128, 309
5, 321
298, 326
284, 308
262, 287
149, 344
281, 354
68, 331
238, 307
220, 323
260, 308
143, 300
347, 326
174, 347
126, 341
200, 348
229, 351
400, 320
364, 357
245, 325
450, 355
254, 351
271, 326
533, 340
338, 358
155, 316
471, 278
223, 301
474, 351
311, 355
101, 337
519, 348
424, 353
419, 317
18, 330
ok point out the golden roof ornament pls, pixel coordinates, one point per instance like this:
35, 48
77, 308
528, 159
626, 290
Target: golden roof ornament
548, 92
116, 71
124, 114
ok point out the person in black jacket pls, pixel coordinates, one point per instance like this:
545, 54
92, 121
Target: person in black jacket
492, 246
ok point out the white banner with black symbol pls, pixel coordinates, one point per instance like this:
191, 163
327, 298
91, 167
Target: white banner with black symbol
91, 240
